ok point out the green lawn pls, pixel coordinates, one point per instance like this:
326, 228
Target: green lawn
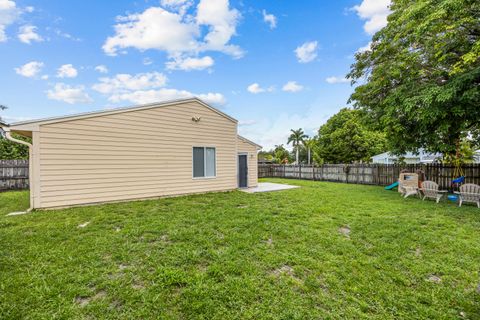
323, 251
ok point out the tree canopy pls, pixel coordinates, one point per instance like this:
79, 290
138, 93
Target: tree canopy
344, 138
420, 81
11, 150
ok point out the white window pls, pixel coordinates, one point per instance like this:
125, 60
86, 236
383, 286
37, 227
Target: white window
204, 162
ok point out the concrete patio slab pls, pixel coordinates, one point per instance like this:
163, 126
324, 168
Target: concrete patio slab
268, 187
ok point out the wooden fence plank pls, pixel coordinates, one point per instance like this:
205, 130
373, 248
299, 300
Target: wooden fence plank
13, 174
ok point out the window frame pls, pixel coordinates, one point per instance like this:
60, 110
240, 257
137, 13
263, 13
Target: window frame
205, 162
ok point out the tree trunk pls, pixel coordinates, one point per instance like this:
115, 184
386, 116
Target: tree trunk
308, 156
297, 156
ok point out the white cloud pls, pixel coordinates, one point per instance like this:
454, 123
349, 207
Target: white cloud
292, 86
11, 119
164, 94
8, 14
249, 122
65, 35
270, 19
122, 83
176, 32
222, 22
375, 12
334, 79
269, 132
180, 6
216, 99
28, 33
30, 69
256, 88
101, 68
155, 28
147, 88
67, 71
307, 52
44, 77
188, 64
69, 94
147, 61
365, 48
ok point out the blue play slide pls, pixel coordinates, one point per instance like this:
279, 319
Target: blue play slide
459, 180
393, 185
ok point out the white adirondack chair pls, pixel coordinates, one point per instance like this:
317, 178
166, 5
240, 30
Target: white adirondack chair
430, 190
469, 192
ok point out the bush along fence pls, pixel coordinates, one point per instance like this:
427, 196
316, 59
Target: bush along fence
13, 174
373, 174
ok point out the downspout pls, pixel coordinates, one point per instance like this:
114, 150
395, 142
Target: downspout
30, 167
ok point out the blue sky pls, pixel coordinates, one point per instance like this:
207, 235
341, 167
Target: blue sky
274, 65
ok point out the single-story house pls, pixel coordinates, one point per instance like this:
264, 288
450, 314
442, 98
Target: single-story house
148, 151
409, 157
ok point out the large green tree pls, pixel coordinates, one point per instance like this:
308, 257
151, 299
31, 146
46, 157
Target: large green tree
281, 155
344, 138
10, 150
420, 81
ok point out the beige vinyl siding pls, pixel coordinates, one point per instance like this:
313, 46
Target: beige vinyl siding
245, 147
132, 155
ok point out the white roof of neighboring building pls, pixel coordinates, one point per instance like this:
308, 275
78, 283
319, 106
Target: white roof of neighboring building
421, 156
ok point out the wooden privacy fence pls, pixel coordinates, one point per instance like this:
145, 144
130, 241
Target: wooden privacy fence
373, 174
13, 174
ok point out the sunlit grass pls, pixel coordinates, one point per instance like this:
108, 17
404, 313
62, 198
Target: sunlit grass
325, 250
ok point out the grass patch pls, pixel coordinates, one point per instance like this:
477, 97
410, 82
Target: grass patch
325, 250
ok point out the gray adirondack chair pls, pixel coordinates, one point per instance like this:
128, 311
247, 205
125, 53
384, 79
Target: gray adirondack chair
430, 190
469, 192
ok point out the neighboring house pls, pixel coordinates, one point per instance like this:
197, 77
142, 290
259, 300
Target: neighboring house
155, 150
2, 133
409, 157
476, 156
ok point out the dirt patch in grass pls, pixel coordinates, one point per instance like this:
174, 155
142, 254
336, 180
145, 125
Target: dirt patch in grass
286, 271
83, 225
137, 285
82, 301
418, 252
345, 230
434, 278
122, 266
115, 305
269, 242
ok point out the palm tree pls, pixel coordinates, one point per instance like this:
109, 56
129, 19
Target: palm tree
296, 138
309, 143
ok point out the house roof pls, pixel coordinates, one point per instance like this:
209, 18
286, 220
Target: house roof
120, 110
249, 141
421, 154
